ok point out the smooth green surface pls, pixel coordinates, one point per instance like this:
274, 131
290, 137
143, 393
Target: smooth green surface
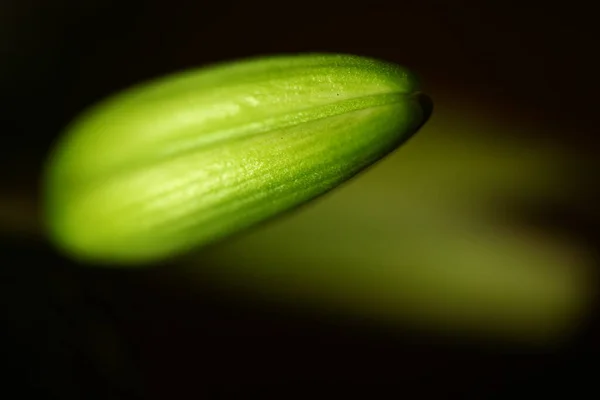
183, 161
432, 237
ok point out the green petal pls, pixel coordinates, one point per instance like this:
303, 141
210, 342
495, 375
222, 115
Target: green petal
181, 162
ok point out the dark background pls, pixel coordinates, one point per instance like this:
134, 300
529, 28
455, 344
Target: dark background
531, 58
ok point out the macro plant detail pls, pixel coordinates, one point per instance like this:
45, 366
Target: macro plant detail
180, 162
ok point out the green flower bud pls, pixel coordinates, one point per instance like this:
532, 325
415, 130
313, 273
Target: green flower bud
178, 163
